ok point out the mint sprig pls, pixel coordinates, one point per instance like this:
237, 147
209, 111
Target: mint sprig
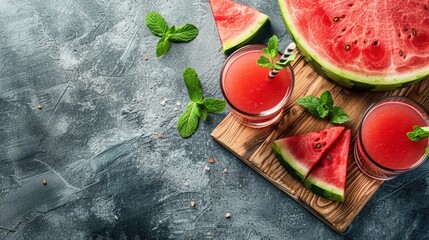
159, 27
267, 59
418, 134
323, 107
198, 106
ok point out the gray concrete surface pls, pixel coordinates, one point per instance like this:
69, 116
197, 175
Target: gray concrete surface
95, 140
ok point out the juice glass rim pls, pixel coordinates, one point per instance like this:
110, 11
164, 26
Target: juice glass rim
270, 111
405, 100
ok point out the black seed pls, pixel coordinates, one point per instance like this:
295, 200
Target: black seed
318, 145
414, 32
401, 53
350, 4
347, 47
344, 29
336, 19
375, 42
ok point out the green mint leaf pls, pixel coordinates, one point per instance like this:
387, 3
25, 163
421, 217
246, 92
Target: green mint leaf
266, 51
289, 60
203, 112
310, 103
418, 134
326, 100
184, 33
170, 31
264, 61
163, 46
339, 116
214, 105
156, 24
273, 44
187, 123
323, 111
193, 84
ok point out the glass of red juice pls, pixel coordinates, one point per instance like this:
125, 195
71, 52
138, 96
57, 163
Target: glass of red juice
255, 99
383, 150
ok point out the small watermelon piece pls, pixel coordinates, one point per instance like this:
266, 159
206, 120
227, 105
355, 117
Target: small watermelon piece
236, 23
299, 154
369, 45
328, 178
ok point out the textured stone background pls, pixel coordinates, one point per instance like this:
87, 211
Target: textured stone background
95, 140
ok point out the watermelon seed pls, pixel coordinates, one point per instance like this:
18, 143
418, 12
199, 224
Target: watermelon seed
344, 29
414, 32
399, 35
350, 4
347, 47
375, 43
328, 157
336, 19
318, 145
339, 36
401, 53
426, 7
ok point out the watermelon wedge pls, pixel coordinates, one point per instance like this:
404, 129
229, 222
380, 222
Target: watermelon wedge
299, 154
372, 45
236, 23
328, 178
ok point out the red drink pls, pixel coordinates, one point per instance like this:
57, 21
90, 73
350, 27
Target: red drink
383, 149
251, 95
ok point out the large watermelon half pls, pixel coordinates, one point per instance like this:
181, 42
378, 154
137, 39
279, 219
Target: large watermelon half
371, 44
328, 178
299, 154
236, 23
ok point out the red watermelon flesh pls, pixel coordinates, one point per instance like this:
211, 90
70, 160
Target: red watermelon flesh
236, 23
299, 154
380, 44
328, 178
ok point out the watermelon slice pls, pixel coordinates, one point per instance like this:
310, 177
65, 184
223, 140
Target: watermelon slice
374, 45
299, 154
236, 23
328, 178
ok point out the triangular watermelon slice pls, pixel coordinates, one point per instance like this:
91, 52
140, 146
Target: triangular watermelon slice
328, 178
299, 154
236, 23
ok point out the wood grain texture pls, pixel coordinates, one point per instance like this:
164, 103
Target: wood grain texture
253, 146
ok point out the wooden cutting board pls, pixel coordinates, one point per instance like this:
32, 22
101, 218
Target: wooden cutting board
253, 146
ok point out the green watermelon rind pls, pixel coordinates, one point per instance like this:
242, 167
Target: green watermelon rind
291, 165
324, 189
247, 35
346, 78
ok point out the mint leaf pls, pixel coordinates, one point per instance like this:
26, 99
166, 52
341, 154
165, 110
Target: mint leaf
339, 116
214, 105
193, 84
203, 112
163, 46
184, 33
310, 103
156, 24
273, 45
264, 62
418, 134
188, 121
324, 107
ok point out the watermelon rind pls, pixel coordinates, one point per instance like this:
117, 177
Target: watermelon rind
248, 34
289, 162
324, 189
343, 77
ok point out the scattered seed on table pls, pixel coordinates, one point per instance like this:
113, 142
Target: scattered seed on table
186, 183
163, 102
145, 57
44, 182
40, 107
207, 168
225, 170
178, 103
227, 215
116, 217
211, 160
192, 204
159, 136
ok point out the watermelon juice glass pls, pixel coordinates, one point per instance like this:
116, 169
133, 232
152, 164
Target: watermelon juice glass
254, 99
383, 150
